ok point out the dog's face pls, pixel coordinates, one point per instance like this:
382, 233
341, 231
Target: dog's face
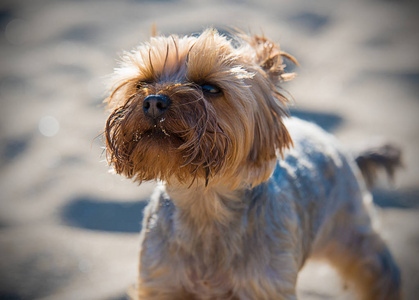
198, 108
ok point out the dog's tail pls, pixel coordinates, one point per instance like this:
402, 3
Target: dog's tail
387, 157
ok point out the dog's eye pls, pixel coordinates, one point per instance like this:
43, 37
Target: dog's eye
142, 84
210, 89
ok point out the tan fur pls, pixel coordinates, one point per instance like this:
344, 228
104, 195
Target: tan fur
246, 194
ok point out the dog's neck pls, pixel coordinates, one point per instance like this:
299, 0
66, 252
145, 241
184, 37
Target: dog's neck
208, 219
217, 205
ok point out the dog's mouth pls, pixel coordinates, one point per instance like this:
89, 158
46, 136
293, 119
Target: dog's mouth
160, 135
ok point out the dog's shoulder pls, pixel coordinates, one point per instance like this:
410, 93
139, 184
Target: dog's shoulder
312, 144
317, 158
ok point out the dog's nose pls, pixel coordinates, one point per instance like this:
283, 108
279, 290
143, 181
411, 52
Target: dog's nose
155, 105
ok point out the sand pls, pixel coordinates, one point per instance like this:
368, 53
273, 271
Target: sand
69, 228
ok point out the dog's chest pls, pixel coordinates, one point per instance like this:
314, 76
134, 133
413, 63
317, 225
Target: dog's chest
216, 283
218, 261
207, 266
201, 265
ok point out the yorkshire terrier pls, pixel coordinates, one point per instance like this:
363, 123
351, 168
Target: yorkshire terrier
247, 194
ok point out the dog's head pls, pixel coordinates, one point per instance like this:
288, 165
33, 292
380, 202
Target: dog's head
203, 108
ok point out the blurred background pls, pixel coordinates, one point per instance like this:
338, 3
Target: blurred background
69, 228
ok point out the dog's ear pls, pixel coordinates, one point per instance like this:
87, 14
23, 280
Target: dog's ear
271, 136
271, 59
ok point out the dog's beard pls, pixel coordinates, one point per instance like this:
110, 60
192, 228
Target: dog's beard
185, 143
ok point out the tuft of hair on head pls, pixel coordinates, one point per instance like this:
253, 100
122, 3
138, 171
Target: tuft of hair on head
387, 157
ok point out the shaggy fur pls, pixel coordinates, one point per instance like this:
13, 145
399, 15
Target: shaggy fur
246, 194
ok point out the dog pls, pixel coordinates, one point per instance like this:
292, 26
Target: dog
246, 194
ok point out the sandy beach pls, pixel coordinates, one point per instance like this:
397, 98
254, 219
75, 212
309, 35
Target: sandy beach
69, 228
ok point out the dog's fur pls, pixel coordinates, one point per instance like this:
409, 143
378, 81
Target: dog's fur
247, 195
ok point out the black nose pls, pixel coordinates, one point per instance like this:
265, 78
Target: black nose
155, 105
